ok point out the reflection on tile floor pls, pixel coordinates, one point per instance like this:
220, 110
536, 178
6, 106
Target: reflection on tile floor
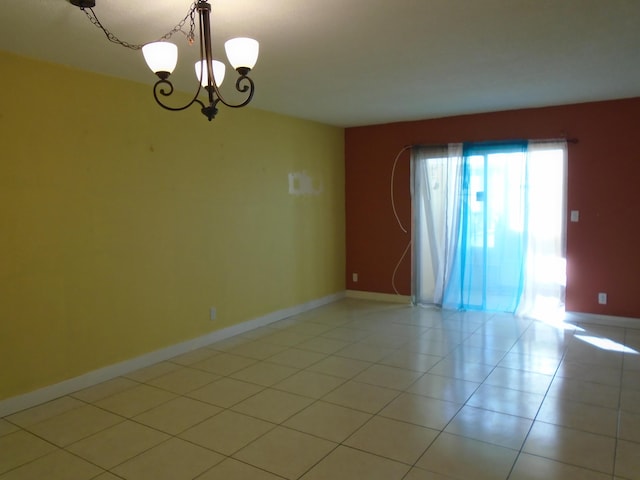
355, 390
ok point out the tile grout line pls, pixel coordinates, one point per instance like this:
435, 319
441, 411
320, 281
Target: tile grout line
441, 431
619, 416
533, 421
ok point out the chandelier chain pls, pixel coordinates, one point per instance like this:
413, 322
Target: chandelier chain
93, 18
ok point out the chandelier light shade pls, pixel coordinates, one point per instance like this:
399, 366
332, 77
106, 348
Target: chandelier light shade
242, 52
162, 57
219, 69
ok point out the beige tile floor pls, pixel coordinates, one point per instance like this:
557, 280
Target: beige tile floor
355, 390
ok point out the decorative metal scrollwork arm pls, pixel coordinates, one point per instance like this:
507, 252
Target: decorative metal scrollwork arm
164, 88
243, 84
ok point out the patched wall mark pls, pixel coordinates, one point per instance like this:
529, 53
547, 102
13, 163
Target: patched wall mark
301, 183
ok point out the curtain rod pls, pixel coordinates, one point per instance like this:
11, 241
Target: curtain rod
573, 140
561, 139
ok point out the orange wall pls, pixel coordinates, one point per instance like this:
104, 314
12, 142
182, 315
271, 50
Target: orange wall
603, 249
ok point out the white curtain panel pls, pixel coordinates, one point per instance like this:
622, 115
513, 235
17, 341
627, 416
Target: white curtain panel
437, 186
545, 263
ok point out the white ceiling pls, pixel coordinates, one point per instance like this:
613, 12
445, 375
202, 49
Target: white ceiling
362, 62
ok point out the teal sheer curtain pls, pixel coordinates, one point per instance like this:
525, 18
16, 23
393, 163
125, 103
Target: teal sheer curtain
488, 267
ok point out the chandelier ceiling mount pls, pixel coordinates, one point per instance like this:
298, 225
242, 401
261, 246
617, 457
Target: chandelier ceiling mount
84, 3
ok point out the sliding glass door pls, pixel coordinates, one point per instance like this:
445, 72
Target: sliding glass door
501, 202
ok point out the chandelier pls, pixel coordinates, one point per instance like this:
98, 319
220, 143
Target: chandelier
162, 56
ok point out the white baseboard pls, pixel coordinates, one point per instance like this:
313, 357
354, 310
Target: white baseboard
379, 297
602, 320
51, 392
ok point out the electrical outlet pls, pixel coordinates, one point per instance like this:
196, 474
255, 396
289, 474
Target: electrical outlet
354, 277
212, 313
602, 298
575, 215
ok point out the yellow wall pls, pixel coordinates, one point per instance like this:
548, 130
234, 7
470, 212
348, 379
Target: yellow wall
121, 224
